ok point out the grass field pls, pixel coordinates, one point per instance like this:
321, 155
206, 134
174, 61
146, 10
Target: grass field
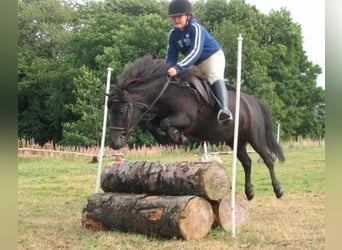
53, 190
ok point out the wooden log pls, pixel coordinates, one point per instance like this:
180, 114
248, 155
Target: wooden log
223, 213
205, 179
188, 217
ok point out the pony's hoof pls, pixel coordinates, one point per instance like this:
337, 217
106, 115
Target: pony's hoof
175, 136
250, 196
279, 194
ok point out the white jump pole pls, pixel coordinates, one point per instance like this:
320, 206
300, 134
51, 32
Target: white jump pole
278, 131
236, 130
98, 178
205, 151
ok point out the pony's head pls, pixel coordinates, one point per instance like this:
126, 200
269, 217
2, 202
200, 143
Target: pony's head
129, 100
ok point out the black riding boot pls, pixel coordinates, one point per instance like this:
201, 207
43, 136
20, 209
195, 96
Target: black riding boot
220, 91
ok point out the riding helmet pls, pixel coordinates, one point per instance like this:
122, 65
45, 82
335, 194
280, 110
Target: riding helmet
179, 7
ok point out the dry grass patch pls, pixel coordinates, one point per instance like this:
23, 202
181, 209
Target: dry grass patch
296, 221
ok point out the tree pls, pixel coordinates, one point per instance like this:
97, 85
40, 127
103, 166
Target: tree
137, 8
251, 24
88, 107
112, 36
129, 44
43, 73
294, 76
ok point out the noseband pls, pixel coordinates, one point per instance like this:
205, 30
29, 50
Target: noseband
129, 127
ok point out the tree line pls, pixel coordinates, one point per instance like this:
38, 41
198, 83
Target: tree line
65, 47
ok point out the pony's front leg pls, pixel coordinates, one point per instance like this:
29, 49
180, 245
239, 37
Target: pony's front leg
153, 128
173, 126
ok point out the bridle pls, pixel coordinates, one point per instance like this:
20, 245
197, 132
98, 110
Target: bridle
128, 126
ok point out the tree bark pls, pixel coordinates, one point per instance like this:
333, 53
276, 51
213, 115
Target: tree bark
188, 217
223, 213
208, 180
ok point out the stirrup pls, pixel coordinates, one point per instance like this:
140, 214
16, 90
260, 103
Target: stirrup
224, 112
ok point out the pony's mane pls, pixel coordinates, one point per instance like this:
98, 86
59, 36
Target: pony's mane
142, 69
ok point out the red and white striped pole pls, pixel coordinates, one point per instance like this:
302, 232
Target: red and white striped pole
236, 131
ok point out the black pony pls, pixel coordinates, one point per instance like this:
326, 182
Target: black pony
182, 109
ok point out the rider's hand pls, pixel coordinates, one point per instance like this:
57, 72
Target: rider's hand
172, 72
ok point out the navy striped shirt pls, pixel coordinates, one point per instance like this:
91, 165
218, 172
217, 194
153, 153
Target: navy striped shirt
194, 42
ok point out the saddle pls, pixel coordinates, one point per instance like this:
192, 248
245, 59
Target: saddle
200, 87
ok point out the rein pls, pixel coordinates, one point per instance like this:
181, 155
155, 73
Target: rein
128, 127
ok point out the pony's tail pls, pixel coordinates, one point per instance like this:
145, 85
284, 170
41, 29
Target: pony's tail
271, 141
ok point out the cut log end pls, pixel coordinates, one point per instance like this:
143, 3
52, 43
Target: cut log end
196, 219
216, 182
223, 213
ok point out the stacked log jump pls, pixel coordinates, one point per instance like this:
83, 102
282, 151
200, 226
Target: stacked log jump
173, 200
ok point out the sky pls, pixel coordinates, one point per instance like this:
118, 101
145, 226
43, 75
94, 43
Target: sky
310, 15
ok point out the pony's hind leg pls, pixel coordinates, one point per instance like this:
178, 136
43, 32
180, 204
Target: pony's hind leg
247, 167
275, 183
269, 162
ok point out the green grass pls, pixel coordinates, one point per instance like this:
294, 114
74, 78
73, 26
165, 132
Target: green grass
53, 190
